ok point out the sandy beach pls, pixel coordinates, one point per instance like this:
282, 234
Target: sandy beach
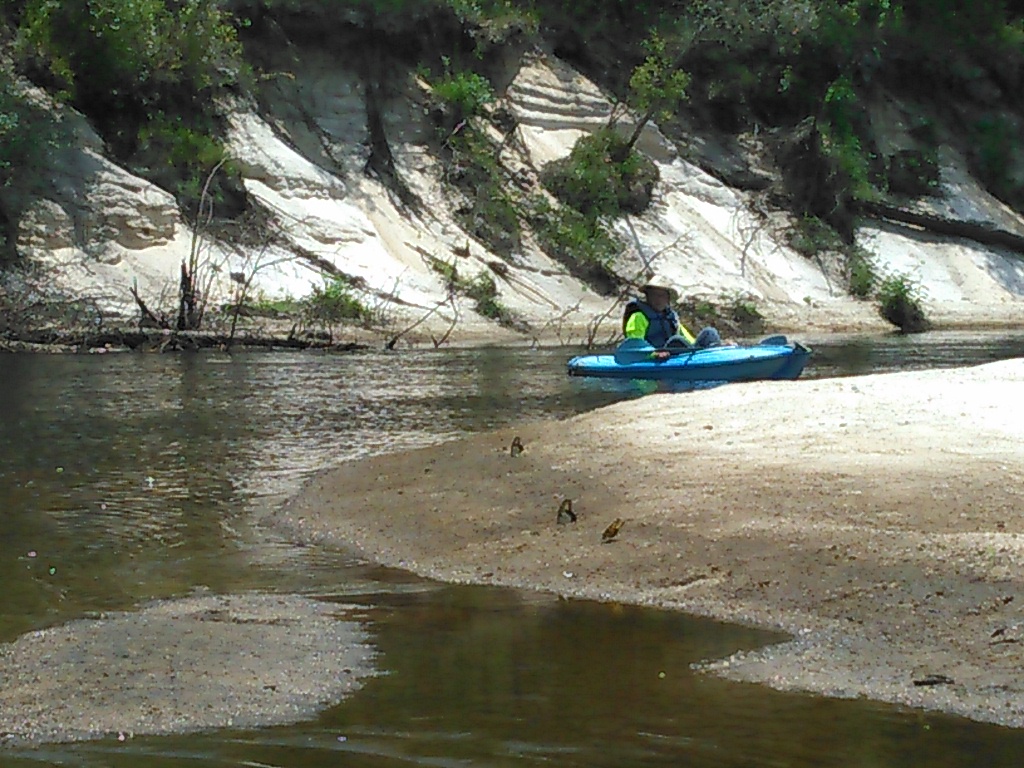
876, 519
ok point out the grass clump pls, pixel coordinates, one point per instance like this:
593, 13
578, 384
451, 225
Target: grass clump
334, 303
484, 293
899, 301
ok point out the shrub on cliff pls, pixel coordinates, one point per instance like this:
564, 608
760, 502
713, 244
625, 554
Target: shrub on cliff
145, 72
25, 132
461, 94
590, 180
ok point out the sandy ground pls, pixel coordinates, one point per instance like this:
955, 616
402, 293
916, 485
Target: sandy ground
192, 664
877, 519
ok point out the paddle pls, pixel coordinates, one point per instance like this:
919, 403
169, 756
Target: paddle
639, 351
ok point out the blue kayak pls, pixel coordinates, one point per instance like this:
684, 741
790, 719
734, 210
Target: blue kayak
774, 358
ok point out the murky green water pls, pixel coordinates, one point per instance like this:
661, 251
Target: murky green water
137, 477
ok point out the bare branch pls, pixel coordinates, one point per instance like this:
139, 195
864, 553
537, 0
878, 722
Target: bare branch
148, 319
456, 315
432, 311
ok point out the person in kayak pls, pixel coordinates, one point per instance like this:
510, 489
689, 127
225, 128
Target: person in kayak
653, 319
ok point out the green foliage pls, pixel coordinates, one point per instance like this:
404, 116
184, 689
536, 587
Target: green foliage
448, 271
595, 184
841, 141
481, 289
263, 306
495, 21
333, 304
657, 85
899, 302
179, 154
124, 50
571, 237
811, 236
914, 172
862, 276
489, 211
735, 313
998, 152
464, 93
777, 62
145, 72
26, 136
742, 310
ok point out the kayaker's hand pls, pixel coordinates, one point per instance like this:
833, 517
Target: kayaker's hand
661, 354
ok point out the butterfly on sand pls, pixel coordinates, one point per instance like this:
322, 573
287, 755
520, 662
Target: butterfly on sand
612, 530
565, 513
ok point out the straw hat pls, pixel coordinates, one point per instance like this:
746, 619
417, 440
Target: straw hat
663, 283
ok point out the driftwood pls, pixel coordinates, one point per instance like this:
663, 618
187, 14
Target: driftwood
164, 341
978, 231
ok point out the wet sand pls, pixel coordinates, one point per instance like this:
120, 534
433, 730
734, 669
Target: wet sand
876, 519
239, 661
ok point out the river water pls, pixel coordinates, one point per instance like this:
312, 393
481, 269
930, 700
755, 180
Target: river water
135, 477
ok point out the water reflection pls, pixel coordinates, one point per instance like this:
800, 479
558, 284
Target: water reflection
144, 476
137, 476
491, 677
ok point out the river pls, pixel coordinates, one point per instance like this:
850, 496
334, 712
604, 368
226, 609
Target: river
128, 478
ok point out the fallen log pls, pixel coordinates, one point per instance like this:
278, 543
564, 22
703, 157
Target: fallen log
978, 231
163, 341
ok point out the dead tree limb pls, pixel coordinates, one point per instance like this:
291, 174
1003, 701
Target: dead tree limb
148, 319
451, 326
430, 313
192, 298
556, 322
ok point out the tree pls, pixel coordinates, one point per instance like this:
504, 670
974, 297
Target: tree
656, 86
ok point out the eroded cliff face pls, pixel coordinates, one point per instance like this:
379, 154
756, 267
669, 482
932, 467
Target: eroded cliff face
97, 229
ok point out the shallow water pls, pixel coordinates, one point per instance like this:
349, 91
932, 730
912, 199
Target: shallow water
129, 478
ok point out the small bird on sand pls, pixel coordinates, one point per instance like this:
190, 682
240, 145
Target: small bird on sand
612, 530
565, 513
517, 446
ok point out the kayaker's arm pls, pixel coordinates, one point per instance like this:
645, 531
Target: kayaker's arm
685, 333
